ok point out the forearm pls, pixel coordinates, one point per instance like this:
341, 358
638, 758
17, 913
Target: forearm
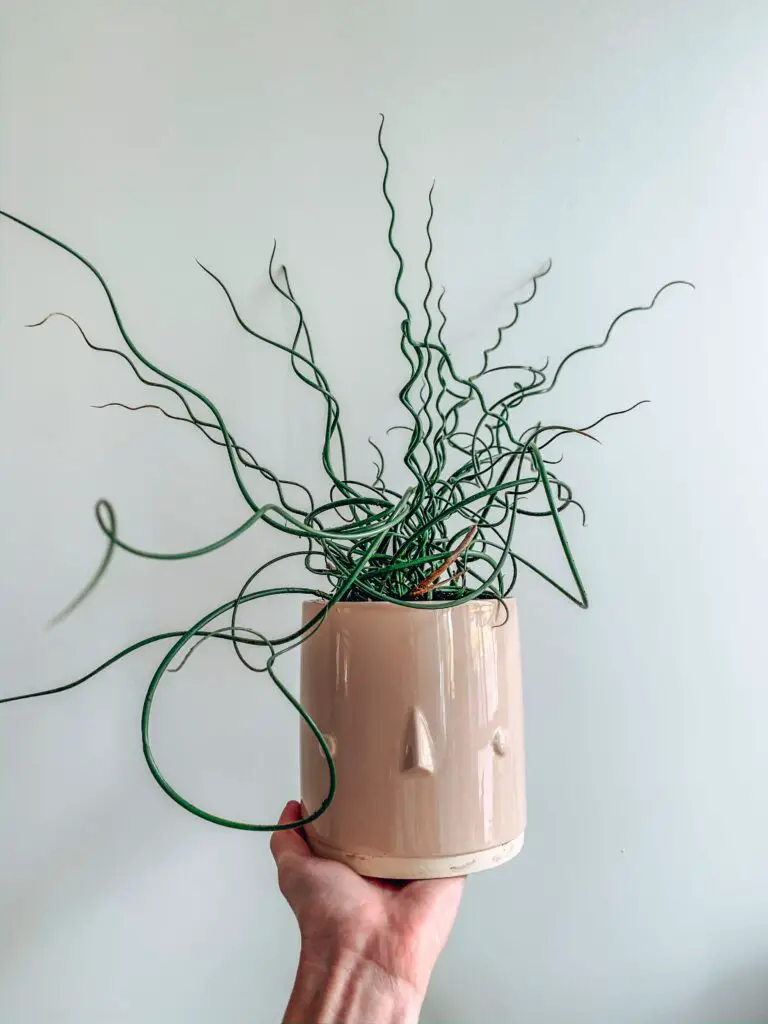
345, 988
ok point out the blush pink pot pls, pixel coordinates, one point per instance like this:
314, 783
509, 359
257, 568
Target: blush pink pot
422, 710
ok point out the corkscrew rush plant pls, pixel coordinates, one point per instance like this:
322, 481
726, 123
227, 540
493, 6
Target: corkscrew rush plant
447, 538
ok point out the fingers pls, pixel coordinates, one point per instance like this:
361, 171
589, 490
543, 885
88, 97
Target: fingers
438, 897
431, 888
288, 843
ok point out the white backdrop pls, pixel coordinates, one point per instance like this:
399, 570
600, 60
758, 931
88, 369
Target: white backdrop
625, 140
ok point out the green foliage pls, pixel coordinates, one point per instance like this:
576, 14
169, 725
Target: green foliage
449, 537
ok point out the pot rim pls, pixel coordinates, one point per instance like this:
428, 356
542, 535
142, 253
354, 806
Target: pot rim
416, 606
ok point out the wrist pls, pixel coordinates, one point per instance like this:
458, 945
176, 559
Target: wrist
335, 985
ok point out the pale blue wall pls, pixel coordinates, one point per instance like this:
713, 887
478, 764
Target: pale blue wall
625, 140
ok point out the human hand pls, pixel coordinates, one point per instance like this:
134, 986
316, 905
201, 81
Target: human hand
367, 946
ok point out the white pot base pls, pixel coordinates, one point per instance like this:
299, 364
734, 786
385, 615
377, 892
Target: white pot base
402, 868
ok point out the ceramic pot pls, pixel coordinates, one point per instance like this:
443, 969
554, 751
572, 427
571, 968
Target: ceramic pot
422, 710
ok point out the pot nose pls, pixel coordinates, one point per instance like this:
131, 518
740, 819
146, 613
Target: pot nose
418, 747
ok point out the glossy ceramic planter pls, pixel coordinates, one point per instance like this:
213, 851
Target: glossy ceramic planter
422, 710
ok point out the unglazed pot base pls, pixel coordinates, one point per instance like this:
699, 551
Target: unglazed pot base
399, 868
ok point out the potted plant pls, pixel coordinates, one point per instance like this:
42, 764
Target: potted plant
412, 759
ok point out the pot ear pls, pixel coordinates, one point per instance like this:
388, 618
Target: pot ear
418, 746
499, 742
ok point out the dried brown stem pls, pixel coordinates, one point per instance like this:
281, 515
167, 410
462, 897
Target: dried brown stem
431, 581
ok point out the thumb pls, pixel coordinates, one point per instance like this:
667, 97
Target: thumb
288, 843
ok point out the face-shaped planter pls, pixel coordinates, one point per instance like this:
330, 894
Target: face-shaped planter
422, 710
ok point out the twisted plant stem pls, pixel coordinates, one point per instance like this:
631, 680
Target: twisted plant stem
449, 536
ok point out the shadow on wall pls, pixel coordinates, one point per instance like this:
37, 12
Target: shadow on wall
80, 866
740, 997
